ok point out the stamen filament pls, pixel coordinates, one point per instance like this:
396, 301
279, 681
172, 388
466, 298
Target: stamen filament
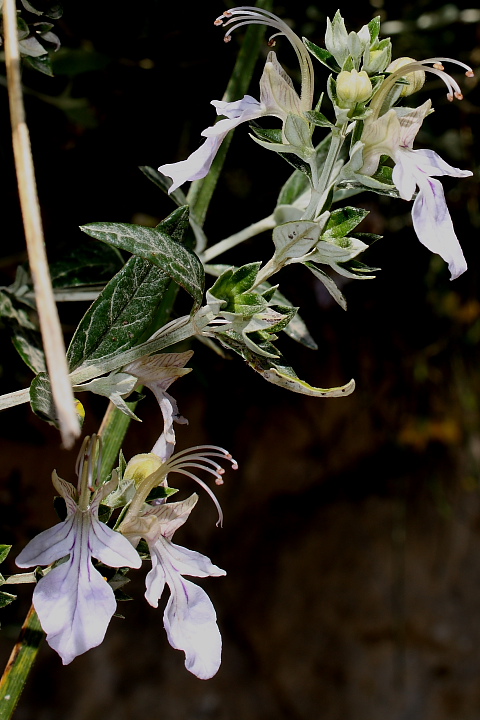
437, 69
245, 15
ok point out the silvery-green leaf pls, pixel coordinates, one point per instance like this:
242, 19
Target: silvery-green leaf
280, 376
318, 118
41, 399
114, 387
287, 213
336, 38
27, 344
329, 284
10, 310
328, 252
278, 372
151, 244
31, 47
295, 239
297, 132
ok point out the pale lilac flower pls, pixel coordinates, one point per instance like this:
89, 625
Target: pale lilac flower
189, 617
73, 601
158, 372
278, 97
393, 134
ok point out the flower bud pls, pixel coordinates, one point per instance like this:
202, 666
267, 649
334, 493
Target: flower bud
141, 466
415, 79
353, 87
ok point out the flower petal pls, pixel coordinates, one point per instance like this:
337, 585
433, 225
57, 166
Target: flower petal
155, 580
186, 562
194, 167
191, 625
110, 547
432, 164
434, 228
236, 113
74, 603
49, 545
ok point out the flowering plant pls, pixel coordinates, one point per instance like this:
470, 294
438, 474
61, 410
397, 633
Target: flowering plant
120, 514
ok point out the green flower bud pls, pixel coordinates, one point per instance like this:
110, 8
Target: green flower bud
353, 87
415, 79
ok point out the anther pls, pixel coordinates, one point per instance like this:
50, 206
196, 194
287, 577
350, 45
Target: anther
227, 38
227, 14
470, 73
271, 43
218, 21
219, 481
450, 97
459, 96
438, 66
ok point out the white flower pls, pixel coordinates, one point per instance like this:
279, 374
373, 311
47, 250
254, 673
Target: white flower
189, 618
277, 96
393, 134
73, 601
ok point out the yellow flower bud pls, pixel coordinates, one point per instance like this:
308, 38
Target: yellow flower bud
141, 466
353, 87
415, 79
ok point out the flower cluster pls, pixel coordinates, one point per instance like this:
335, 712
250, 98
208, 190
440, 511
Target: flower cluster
364, 89
75, 602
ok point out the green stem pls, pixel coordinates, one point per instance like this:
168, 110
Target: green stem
266, 223
201, 191
19, 664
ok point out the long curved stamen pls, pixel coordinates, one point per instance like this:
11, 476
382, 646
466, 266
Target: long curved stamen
208, 491
199, 457
245, 15
437, 69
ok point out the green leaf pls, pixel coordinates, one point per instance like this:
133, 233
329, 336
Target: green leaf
295, 186
41, 399
342, 221
329, 284
275, 371
271, 136
318, 118
13, 312
234, 282
53, 10
321, 54
86, 264
42, 63
121, 314
374, 28
4, 550
6, 599
154, 245
28, 345
164, 183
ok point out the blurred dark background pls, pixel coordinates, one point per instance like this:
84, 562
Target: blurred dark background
352, 528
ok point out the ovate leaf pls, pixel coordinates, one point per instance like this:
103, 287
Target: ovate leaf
154, 245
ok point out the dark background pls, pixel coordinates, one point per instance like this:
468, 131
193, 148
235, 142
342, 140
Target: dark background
352, 528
